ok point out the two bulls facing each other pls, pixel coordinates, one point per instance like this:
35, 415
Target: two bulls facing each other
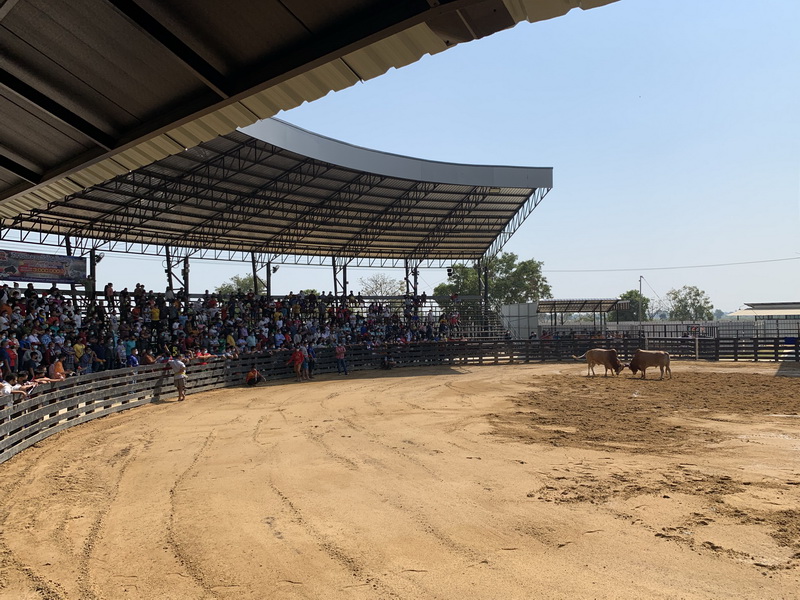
642, 360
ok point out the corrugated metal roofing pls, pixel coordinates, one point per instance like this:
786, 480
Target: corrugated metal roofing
755, 312
90, 89
238, 193
581, 305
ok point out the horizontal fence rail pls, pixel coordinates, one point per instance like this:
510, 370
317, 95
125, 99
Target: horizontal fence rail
53, 407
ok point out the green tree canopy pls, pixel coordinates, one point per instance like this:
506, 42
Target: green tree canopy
510, 281
237, 283
689, 304
637, 300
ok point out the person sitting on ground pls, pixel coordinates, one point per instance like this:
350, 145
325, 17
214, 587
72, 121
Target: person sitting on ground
254, 376
387, 362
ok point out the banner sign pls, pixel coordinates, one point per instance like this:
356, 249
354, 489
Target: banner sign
41, 268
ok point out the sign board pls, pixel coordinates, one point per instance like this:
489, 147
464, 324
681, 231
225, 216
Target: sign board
41, 268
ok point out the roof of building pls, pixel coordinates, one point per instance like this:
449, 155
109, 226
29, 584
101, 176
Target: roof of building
93, 89
768, 309
298, 196
596, 305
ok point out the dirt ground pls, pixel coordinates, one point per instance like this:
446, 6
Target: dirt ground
522, 481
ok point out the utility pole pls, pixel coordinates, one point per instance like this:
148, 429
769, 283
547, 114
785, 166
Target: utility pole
641, 333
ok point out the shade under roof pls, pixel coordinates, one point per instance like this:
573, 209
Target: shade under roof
303, 197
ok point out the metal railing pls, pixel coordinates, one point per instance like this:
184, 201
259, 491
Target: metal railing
54, 407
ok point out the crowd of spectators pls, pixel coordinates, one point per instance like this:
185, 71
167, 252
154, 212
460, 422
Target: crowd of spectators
45, 335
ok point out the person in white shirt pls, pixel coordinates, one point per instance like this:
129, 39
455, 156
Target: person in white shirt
179, 375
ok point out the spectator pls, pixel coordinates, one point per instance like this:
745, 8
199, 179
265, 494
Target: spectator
254, 376
341, 361
178, 368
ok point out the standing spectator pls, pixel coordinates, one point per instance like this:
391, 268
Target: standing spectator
108, 292
122, 353
296, 361
312, 360
178, 368
87, 359
341, 362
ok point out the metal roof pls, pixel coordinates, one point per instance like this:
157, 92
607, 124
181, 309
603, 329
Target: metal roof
755, 312
768, 309
92, 89
577, 306
236, 195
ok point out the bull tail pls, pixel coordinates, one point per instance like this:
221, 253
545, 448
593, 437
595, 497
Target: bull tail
579, 357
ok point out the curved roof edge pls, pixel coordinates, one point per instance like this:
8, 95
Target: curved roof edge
396, 45
304, 142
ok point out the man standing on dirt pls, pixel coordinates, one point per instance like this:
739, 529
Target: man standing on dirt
341, 363
179, 375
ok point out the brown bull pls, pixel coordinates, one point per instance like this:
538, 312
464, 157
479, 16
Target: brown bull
599, 356
642, 359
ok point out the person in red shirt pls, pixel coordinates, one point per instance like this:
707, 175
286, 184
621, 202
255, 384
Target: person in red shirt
296, 361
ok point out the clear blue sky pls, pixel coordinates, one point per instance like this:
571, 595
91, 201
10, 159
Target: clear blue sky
672, 127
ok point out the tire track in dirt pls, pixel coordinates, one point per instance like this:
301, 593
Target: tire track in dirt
317, 439
84, 577
376, 439
181, 556
64, 462
47, 589
336, 553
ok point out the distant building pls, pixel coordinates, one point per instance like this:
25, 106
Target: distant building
769, 311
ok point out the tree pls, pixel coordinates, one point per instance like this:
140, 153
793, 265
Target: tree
718, 314
689, 304
632, 314
237, 283
381, 284
510, 281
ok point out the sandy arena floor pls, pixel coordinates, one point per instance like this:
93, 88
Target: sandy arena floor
527, 481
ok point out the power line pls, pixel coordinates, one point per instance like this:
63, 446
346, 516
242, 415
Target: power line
752, 262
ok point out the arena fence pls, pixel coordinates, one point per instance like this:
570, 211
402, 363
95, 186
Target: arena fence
53, 407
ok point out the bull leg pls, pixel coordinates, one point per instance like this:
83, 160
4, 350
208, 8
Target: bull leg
643, 374
669, 372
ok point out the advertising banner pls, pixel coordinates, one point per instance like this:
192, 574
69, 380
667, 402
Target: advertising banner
41, 268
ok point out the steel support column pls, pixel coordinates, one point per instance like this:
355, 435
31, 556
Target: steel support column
91, 288
339, 278
169, 268
185, 274
255, 273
